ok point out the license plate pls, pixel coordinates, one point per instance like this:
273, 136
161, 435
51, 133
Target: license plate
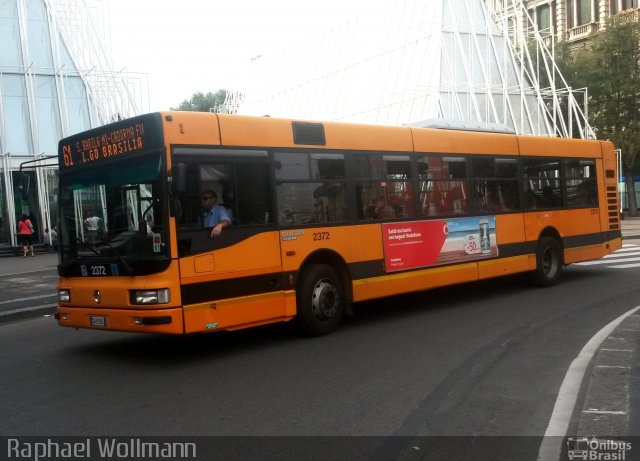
98, 321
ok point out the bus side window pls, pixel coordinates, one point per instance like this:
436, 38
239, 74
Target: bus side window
251, 198
542, 180
311, 188
530, 198
242, 188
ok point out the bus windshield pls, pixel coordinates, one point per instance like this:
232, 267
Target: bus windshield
114, 213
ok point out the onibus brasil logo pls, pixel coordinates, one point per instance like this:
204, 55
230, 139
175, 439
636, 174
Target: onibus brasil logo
589, 449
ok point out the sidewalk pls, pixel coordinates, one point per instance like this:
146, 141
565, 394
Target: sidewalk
631, 228
39, 265
20, 265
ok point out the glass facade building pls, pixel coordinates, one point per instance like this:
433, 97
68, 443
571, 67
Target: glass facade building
44, 95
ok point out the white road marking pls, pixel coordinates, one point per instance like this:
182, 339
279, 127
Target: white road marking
627, 257
612, 366
15, 300
30, 308
624, 252
607, 261
605, 412
551, 446
625, 266
30, 272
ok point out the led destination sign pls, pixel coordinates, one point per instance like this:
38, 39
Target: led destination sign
119, 139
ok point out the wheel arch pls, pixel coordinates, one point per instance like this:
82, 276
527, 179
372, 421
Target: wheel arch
334, 260
552, 232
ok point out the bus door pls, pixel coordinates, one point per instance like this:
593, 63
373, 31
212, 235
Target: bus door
234, 279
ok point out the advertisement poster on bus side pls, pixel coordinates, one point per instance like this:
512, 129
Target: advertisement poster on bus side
416, 244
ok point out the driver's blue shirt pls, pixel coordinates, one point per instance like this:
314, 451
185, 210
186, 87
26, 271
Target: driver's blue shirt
215, 216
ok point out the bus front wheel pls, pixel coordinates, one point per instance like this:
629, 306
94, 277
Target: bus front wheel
320, 300
548, 262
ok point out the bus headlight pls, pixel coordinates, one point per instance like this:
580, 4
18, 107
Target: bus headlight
161, 296
64, 296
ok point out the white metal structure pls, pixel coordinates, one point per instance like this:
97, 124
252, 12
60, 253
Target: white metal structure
408, 60
55, 80
84, 26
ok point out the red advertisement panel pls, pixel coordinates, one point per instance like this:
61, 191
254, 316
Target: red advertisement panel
410, 245
413, 244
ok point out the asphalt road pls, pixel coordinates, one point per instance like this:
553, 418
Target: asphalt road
22, 293
478, 359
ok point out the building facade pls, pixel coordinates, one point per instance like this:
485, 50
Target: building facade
572, 21
46, 93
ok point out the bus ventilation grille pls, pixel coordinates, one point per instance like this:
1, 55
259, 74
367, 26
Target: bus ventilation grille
612, 206
308, 133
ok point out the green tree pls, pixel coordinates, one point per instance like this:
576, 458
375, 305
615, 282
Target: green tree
610, 68
201, 102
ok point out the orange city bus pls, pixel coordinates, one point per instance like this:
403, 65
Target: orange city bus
319, 216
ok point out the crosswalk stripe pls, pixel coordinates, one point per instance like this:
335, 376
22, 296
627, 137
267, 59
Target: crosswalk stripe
628, 250
619, 253
610, 261
607, 261
625, 266
627, 256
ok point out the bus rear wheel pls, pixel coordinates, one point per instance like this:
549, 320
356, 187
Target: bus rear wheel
320, 300
548, 262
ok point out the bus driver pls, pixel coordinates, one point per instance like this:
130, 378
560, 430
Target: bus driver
214, 215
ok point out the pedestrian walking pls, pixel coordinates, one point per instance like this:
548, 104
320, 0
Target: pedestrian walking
25, 230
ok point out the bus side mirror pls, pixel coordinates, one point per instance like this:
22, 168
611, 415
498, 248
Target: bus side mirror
178, 178
25, 186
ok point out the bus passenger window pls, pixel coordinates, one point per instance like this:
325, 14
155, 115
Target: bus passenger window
312, 203
444, 189
541, 178
310, 188
496, 196
383, 186
580, 183
385, 200
495, 184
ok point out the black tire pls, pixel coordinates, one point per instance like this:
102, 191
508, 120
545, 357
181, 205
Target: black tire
320, 300
548, 262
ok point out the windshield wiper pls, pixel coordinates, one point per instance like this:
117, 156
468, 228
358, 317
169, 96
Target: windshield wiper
120, 258
94, 249
88, 246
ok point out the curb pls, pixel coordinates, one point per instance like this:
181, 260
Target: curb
27, 312
605, 409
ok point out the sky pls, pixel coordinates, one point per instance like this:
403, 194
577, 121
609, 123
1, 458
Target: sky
184, 46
